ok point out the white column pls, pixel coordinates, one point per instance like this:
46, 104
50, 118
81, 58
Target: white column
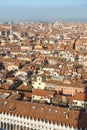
19, 127
3, 125
9, 126
16, 127
13, 127
0, 124
6, 127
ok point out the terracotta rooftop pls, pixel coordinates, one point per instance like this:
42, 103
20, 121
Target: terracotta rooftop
80, 97
45, 112
4, 86
43, 93
61, 83
24, 88
14, 96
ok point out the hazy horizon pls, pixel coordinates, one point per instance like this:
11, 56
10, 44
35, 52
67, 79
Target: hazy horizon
43, 10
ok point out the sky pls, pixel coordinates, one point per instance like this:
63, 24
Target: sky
43, 10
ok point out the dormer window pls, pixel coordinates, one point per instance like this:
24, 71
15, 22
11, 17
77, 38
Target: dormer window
33, 107
56, 111
42, 109
49, 110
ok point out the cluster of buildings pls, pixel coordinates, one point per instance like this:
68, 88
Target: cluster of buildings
43, 76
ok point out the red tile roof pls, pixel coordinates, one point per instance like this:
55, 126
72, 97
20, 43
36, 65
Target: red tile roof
80, 97
45, 112
43, 93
